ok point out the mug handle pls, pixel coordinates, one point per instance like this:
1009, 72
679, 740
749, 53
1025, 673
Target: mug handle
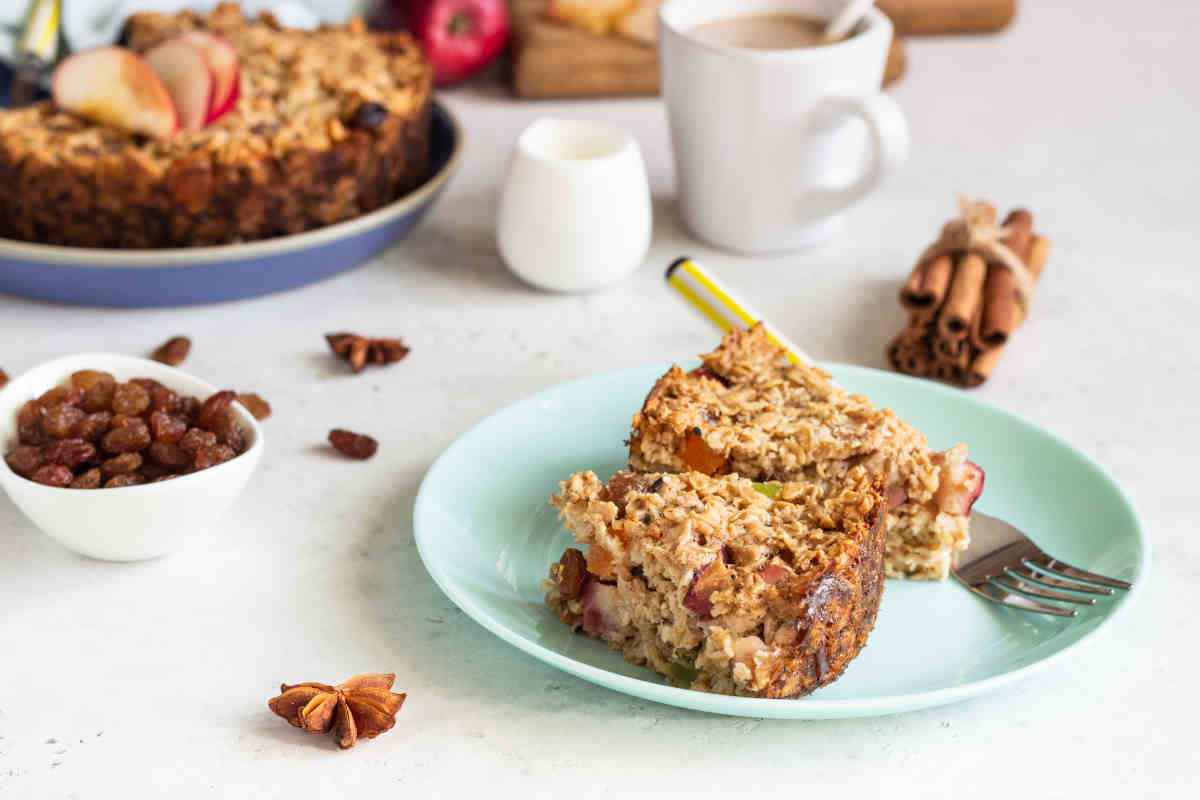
889, 144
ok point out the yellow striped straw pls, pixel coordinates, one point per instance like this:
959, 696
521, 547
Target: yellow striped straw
39, 37
718, 305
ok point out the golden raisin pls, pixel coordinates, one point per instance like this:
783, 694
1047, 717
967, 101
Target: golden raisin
174, 351
353, 445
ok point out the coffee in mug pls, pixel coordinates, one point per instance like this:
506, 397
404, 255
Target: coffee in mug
774, 134
764, 32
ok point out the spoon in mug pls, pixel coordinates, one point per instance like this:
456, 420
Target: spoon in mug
841, 25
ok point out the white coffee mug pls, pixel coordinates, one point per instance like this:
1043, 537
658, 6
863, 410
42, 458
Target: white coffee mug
575, 211
769, 146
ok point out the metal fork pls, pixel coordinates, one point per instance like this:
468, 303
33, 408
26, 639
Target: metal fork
1004, 566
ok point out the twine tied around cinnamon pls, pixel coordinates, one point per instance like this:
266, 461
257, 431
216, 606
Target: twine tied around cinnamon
976, 231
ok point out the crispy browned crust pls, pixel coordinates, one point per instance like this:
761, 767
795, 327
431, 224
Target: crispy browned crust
276, 165
839, 613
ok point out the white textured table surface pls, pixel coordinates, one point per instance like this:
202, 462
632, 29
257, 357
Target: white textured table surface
135, 680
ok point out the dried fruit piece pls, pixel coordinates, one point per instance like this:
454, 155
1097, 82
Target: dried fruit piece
117, 481
225, 425
259, 408
53, 475
93, 426
59, 421
29, 423
169, 455
696, 453
60, 395
213, 407
207, 457
87, 480
128, 439
85, 379
166, 428
353, 445
123, 464
130, 399
571, 574
174, 351
70, 453
25, 460
195, 439
3, 378
99, 396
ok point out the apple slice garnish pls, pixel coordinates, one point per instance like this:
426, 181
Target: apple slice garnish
184, 71
117, 87
222, 62
960, 486
600, 614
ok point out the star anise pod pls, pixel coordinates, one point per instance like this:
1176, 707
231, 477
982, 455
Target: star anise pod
363, 706
360, 351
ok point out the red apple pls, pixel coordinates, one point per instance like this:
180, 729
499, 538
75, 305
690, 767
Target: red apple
115, 86
459, 37
185, 73
223, 63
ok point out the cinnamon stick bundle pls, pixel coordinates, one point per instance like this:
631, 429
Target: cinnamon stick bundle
967, 295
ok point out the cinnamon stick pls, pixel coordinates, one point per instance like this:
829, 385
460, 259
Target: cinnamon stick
981, 367
926, 286
1002, 311
964, 297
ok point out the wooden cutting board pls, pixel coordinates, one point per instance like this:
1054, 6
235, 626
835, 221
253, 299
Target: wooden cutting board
553, 60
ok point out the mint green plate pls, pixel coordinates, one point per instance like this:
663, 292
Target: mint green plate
487, 536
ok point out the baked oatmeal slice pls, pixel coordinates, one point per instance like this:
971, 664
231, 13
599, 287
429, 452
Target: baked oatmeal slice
717, 584
748, 410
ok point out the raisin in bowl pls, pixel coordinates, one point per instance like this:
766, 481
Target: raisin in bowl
127, 520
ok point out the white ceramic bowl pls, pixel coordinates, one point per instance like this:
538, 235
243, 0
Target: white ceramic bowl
134, 522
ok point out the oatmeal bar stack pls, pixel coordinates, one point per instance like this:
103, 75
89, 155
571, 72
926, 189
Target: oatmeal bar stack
722, 586
749, 411
329, 124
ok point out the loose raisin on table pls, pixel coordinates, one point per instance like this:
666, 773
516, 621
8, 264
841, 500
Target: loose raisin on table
25, 460
130, 398
3, 378
257, 406
59, 421
353, 445
174, 351
87, 480
53, 475
93, 426
123, 464
169, 455
117, 481
195, 439
69, 453
166, 428
128, 439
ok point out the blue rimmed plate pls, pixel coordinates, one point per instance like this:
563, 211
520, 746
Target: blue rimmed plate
488, 537
187, 276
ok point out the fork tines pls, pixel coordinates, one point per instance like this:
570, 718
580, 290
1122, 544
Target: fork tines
1004, 566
